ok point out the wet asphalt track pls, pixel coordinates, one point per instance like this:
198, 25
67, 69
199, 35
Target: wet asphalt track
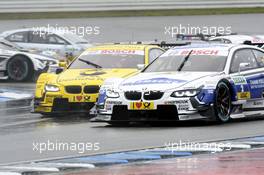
19, 129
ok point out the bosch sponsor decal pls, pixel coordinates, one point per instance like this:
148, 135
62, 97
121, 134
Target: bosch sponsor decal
201, 52
197, 51
154, 81
255, 84
114, 52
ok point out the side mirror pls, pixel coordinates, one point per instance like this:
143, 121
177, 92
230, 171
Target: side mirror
140, 66
59, 70
62, 64
243, 66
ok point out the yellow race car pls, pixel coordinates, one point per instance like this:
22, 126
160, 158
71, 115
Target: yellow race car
75, 89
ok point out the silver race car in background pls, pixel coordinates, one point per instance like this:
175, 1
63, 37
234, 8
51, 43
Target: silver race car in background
257, 40
64, 43
18, 64
203, 81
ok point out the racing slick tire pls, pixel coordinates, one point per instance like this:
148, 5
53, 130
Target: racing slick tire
20, 68
223, 103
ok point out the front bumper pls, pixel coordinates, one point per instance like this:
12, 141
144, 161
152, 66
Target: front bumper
52, 103
165, 109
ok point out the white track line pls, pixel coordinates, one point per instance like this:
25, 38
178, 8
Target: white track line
15, 108
24, 122
9, 173
31, 168
65, 165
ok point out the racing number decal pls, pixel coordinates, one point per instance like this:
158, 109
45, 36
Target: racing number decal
243, 91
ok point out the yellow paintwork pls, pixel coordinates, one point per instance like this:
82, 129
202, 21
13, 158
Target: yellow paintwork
243, 95
142, 105
81, 77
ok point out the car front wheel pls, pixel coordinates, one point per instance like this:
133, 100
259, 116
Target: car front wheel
223, 103
20, 68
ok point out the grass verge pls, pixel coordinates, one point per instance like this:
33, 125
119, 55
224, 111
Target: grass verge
176, 12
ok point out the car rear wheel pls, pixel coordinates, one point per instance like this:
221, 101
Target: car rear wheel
223, 103
20, 68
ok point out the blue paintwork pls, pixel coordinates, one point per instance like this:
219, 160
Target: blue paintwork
206, 96
101, 97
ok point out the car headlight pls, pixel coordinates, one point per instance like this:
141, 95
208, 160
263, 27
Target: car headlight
186, 93
112, 94
51, 88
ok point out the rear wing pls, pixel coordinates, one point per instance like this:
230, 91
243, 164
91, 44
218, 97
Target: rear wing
167, 46
162, 44
259, 43
200, 36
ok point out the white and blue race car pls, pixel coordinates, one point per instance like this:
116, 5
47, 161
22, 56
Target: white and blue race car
215, 82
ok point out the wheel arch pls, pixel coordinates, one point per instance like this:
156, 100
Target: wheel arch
232, 88
26, 57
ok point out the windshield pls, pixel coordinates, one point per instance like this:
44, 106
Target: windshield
108, 59
194, 63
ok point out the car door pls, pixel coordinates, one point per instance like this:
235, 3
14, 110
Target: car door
47, 41
249, 80
259, 84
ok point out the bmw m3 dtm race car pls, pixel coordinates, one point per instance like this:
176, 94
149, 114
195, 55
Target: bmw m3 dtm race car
75, 90
202, 81
257, 40
65, 43
21, 65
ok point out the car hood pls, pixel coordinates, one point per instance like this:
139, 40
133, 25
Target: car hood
163, 81
84, 46
91, 76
